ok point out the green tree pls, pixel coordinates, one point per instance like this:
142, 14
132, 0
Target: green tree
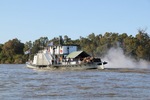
12, 48
143, 49
43, 42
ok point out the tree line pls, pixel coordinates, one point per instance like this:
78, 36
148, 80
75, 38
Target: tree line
138, 46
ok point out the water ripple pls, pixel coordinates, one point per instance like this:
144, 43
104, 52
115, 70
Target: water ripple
20, 83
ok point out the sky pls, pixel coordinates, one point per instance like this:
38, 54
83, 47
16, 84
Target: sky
31, 19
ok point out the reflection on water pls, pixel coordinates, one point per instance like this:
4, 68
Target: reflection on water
20, 83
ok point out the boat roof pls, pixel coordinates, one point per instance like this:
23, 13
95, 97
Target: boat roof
63, 45
77, 54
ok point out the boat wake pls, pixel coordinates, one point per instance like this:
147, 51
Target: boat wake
128, 70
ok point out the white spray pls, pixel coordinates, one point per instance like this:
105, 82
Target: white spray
116, 59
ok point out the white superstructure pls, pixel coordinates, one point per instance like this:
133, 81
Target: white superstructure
62, 49
42, 58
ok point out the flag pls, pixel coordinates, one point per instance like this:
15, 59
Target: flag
50, 44
27, 52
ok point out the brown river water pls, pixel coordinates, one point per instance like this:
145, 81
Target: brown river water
20, 83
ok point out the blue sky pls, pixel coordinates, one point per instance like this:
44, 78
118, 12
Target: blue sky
32, 19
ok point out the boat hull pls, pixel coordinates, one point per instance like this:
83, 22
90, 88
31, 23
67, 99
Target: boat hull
72, 67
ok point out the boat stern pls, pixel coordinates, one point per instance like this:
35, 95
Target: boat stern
101, 65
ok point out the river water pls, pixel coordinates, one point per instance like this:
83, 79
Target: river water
20, 83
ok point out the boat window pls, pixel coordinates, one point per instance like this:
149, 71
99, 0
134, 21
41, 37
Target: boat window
97, 60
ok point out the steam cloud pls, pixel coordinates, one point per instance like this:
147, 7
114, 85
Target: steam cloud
116, 59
